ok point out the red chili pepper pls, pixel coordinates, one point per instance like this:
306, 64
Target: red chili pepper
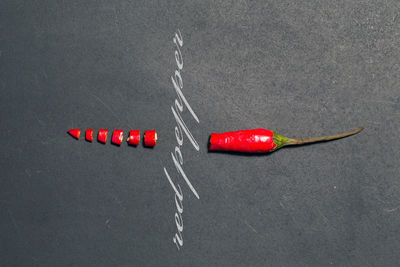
75, 133
117, 137
89, 135
150, 138
102, 136
134, 137
262, 140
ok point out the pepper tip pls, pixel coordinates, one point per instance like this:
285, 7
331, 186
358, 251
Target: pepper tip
76, 133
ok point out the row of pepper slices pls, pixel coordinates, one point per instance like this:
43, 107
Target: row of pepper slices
150, 136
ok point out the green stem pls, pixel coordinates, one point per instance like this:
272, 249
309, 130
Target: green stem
291, 142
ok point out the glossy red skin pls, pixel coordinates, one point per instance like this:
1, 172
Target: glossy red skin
102, 136
250, 141
89, 135
76, 133
117, 137
134, 137
150, 139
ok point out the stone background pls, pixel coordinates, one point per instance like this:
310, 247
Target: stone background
302, 68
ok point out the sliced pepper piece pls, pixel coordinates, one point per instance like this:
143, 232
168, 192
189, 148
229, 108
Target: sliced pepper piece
134, 137
150, 138
76, 133
102, 136
117, 137
89, 135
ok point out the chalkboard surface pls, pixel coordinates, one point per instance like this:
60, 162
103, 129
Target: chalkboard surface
302, 68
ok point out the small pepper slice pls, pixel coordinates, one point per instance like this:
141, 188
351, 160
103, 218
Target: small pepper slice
150, 138
89, 135
117, 137
75, 133
134, 137
102, 136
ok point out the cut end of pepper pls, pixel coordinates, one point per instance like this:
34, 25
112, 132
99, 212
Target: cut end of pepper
150, 138
102, 136
213, 143
89, 135
117, 137
76, 133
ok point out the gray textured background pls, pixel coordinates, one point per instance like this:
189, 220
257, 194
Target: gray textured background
302, 68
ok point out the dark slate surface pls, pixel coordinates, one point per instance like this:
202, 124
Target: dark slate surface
302, 68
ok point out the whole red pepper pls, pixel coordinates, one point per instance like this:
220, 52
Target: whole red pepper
253, 141
261, 140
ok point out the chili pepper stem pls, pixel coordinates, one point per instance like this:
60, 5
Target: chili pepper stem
291, 141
